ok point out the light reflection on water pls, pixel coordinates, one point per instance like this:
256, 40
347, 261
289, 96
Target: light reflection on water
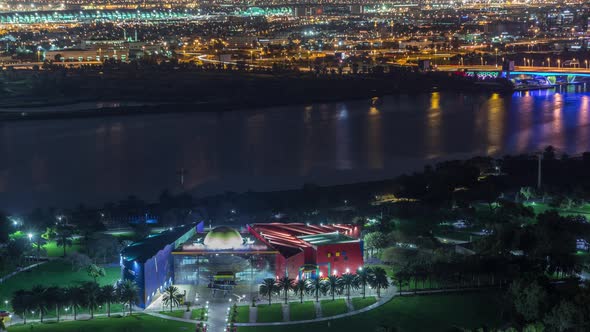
103, 159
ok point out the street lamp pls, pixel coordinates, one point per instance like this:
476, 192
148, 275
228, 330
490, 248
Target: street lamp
586, 63
524, 61
30, 236
548, 62
558, 63
496, 57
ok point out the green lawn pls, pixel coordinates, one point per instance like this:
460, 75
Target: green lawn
53, 273
173, 313
302, 311
359, 302
54, 251
331, 308
414, 314
243, 315
270, 313
136, 322
197, 313
540, 208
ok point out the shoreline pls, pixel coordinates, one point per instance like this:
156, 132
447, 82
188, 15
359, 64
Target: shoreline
157, 93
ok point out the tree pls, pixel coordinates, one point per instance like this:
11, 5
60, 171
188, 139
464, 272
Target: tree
285, 284
348, 281
39, 300
75, 298
375, 241
401, 277
79, 261
128, 293
55, 297
316, 286
562, 317
21, 302
172, 296
301, 287
64, 237
364, 275
91, 292
380, 280
94, 271
334, 285
268, 288
108, 295
528, 299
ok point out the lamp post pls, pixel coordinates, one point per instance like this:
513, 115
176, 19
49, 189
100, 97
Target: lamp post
548, 62
558, 63
586, 63
496, 49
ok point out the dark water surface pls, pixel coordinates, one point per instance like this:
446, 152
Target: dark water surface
65, 162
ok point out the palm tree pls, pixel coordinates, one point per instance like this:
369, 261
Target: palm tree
301, 287
380, 281
64, 238
21, 302
268, 288
334, 284
172, 296
128, 291
75, 297
108, 295
285, 284
39, 300
316, 286
364, 277
91, 292
348, 281
54, 297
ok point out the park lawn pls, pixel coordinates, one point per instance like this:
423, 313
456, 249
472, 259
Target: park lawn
173, 313
414, 314
137, 322
331, 308
270, 313
196, 314
387, 268
359, 302
542, 207
243, 315
54, 273
54, 251
302, 311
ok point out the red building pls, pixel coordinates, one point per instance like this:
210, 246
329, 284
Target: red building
310, 251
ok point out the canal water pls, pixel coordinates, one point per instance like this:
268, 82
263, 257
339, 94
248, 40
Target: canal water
94, 160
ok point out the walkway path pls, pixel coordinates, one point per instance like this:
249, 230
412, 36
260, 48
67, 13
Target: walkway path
349, 305
253, 314
384, 299
8, 276
318, 309
286, 312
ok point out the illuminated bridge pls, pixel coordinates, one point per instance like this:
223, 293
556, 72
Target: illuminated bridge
553, 75
74, 16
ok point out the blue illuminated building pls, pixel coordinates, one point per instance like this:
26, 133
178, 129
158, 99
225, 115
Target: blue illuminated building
148, 262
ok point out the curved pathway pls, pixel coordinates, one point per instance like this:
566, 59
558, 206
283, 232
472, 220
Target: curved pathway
390, 294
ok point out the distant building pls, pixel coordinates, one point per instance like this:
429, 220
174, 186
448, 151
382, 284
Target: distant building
224, 256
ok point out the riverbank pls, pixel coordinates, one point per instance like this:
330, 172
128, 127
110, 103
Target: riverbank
144, 93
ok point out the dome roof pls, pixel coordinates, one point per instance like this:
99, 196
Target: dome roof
223, 237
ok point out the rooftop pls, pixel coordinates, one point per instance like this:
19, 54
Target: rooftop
146, 248
327, 238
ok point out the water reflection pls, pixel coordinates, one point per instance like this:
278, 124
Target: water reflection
94, 160
433, 137
374, 140
495, 128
